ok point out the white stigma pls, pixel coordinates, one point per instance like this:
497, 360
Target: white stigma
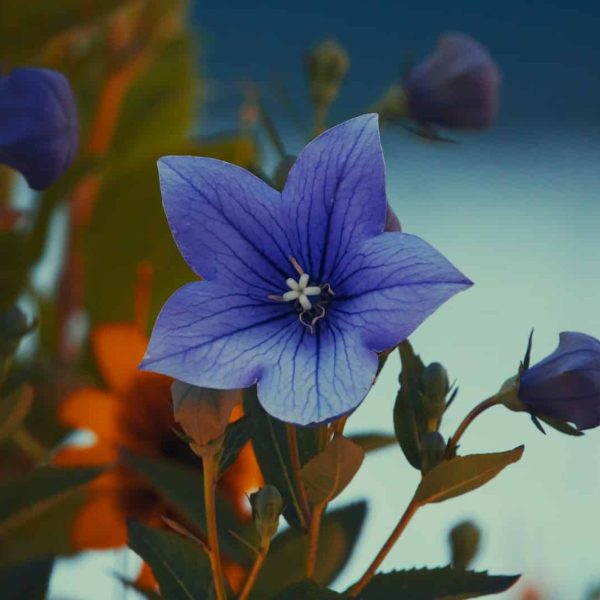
300, 291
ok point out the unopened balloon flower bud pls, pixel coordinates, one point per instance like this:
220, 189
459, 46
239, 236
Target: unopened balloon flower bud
433, 448
326, 68
464, 541
267, 505
392, 106
435, 386
203, 414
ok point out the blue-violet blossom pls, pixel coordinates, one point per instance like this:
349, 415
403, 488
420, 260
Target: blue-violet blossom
566, 384
456, 86
39, 130
301, 287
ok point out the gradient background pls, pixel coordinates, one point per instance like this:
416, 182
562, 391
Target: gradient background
516, 208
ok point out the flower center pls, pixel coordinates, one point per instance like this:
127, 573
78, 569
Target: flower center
310, 301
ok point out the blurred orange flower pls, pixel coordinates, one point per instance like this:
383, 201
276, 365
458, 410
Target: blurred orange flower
134, 412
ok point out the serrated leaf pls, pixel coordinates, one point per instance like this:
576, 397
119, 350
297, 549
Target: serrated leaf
27, 496
284, 566
182, 488
181, 568
407, 416
443, 583
329, 472
307, 590
26, 580
372, 441
237, 435
463, 474
269, 440
13, 410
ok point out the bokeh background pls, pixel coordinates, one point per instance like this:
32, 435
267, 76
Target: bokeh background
517, 208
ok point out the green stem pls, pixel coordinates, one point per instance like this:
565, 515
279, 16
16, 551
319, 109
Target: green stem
210, 478
29, 444
475, 412
313, 539
256, 567
296, 466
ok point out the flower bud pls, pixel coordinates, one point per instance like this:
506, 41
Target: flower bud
435, 386
456, 86
565, 385
326, 67
203, 414
39, 130
433, 448
267, 506
464, 541
392, 106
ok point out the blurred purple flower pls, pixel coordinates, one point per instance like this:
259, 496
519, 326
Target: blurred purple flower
39, 131
301, 287
456, 86
566, 384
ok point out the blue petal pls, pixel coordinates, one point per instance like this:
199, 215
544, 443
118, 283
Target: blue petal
228, 224
39, 131
210, 336
387, 287
335, 194
318, 377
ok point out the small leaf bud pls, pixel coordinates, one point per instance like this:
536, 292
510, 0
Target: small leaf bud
267, 506
464, 541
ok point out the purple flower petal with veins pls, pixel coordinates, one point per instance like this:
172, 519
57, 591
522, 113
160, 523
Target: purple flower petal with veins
303, 287
39, 129
566, 384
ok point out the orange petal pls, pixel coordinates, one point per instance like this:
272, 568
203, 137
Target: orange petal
99, 524
119, 349
146, 579
241, 478
98, 411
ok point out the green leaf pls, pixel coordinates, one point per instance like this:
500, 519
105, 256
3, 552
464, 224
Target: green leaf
329, 472
284, 565
13, 410
463, 474
26, 27
27, 580
181, 568
307, 590
408, 416
443, 583
269, 440
27, 496
182, 488
44, 535
372, 441
236, 436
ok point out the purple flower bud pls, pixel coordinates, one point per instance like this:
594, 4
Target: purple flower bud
456, 86
39, 130
566, 384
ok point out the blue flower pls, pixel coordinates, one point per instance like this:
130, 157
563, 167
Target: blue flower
457, 86
566, 384
301, 287
39, 130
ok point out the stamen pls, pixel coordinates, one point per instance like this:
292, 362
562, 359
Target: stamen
296, 266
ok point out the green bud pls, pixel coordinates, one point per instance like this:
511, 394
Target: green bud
464, 541
203, 414
392, 106
509, 394
267, 506
433, 448
326, 67
435, 386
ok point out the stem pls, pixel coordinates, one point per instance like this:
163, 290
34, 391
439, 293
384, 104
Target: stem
29, 444
292, 439
313, 539
475, 412
256, 567
210, 472
360, 585
320, 119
